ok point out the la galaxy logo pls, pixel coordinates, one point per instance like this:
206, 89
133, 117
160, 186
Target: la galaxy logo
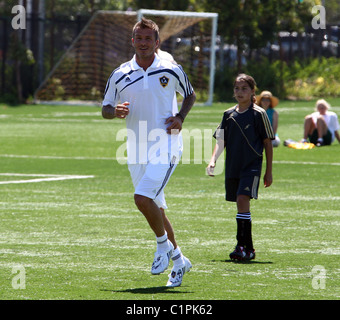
164, 81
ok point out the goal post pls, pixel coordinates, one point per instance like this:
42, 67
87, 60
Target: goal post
81, 74
199, 16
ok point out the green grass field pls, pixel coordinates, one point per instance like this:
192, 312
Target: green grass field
69, 222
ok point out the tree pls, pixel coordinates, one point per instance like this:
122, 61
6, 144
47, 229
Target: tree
250, 24
162, 4
21, 56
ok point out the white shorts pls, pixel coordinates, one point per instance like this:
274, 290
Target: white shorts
150, 179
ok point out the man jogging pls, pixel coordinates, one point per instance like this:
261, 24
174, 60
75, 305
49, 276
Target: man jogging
143, 91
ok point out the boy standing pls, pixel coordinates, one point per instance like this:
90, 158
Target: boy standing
244, 131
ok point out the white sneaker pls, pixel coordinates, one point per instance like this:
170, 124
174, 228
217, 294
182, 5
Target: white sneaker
161, 260
176, 275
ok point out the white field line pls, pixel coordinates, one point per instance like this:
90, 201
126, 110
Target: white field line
42, 177
123, 158
307, 162
23, 156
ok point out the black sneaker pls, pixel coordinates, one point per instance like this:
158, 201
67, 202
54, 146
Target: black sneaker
250, 254
238, 254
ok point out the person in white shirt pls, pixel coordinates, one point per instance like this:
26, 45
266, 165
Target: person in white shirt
321, 127
143, 91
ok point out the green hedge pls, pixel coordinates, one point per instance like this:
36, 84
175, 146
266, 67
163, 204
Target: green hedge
305, 80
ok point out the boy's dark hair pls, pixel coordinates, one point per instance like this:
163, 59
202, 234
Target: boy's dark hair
250, 80
245, 77
146, 24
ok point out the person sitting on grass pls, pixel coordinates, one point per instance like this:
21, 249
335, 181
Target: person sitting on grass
321, 127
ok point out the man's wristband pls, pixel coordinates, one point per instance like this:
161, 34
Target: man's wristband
112, 111
178, 115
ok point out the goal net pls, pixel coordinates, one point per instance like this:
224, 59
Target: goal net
81, 74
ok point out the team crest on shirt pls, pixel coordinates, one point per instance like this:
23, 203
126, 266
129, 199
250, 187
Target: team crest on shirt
164, 81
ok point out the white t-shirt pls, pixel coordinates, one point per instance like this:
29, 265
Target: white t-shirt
331, 120
152, 98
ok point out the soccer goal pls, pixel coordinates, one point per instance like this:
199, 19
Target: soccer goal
80, 75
